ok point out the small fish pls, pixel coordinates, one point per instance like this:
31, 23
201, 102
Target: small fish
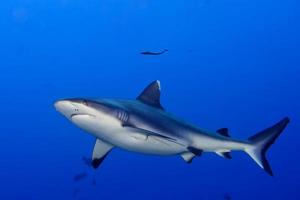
149, 53
79, 177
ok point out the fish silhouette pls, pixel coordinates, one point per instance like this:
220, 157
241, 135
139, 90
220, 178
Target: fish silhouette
80, 176
150, 53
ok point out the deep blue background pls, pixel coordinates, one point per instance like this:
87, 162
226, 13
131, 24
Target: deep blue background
231, 63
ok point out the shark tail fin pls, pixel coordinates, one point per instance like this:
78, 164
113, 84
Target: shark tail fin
262, 141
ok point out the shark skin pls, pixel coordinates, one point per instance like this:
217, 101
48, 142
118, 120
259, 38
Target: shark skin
142, 125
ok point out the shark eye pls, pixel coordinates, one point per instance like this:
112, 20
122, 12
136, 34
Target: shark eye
84, 102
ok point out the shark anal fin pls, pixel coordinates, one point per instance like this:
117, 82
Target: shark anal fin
223, 132
100, 151
197, 152
188, 156
224, 154
151, 95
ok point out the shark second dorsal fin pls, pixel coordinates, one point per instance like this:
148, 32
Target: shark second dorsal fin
151, 95
224, 132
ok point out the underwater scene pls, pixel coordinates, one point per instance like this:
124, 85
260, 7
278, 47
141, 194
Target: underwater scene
150, 99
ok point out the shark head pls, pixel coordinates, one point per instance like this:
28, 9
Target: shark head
91, 114
74, 107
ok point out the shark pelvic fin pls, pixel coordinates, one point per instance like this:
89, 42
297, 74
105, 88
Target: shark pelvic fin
197, 152
188, 156
151, 95
100, 151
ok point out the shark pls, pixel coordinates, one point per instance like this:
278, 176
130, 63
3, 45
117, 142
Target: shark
143, 125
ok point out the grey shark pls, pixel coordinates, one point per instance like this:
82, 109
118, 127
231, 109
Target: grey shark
142, 125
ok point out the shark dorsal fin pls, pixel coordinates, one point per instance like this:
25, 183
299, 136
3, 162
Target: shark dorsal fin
224, 132
151, 95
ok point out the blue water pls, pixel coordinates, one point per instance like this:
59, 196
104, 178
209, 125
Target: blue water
232, 63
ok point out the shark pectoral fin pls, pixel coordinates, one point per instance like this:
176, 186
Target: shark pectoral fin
188, 157
100, 151
151, 95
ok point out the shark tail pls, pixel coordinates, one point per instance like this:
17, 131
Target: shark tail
262, 141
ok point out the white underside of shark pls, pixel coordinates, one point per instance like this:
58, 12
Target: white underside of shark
143, 126
127, 138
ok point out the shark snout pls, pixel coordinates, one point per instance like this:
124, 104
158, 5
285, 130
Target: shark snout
62, 105
65, 107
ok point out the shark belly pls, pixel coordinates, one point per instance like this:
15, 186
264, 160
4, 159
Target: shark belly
110, 130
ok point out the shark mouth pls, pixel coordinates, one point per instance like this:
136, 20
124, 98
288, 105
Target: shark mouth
81, 114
